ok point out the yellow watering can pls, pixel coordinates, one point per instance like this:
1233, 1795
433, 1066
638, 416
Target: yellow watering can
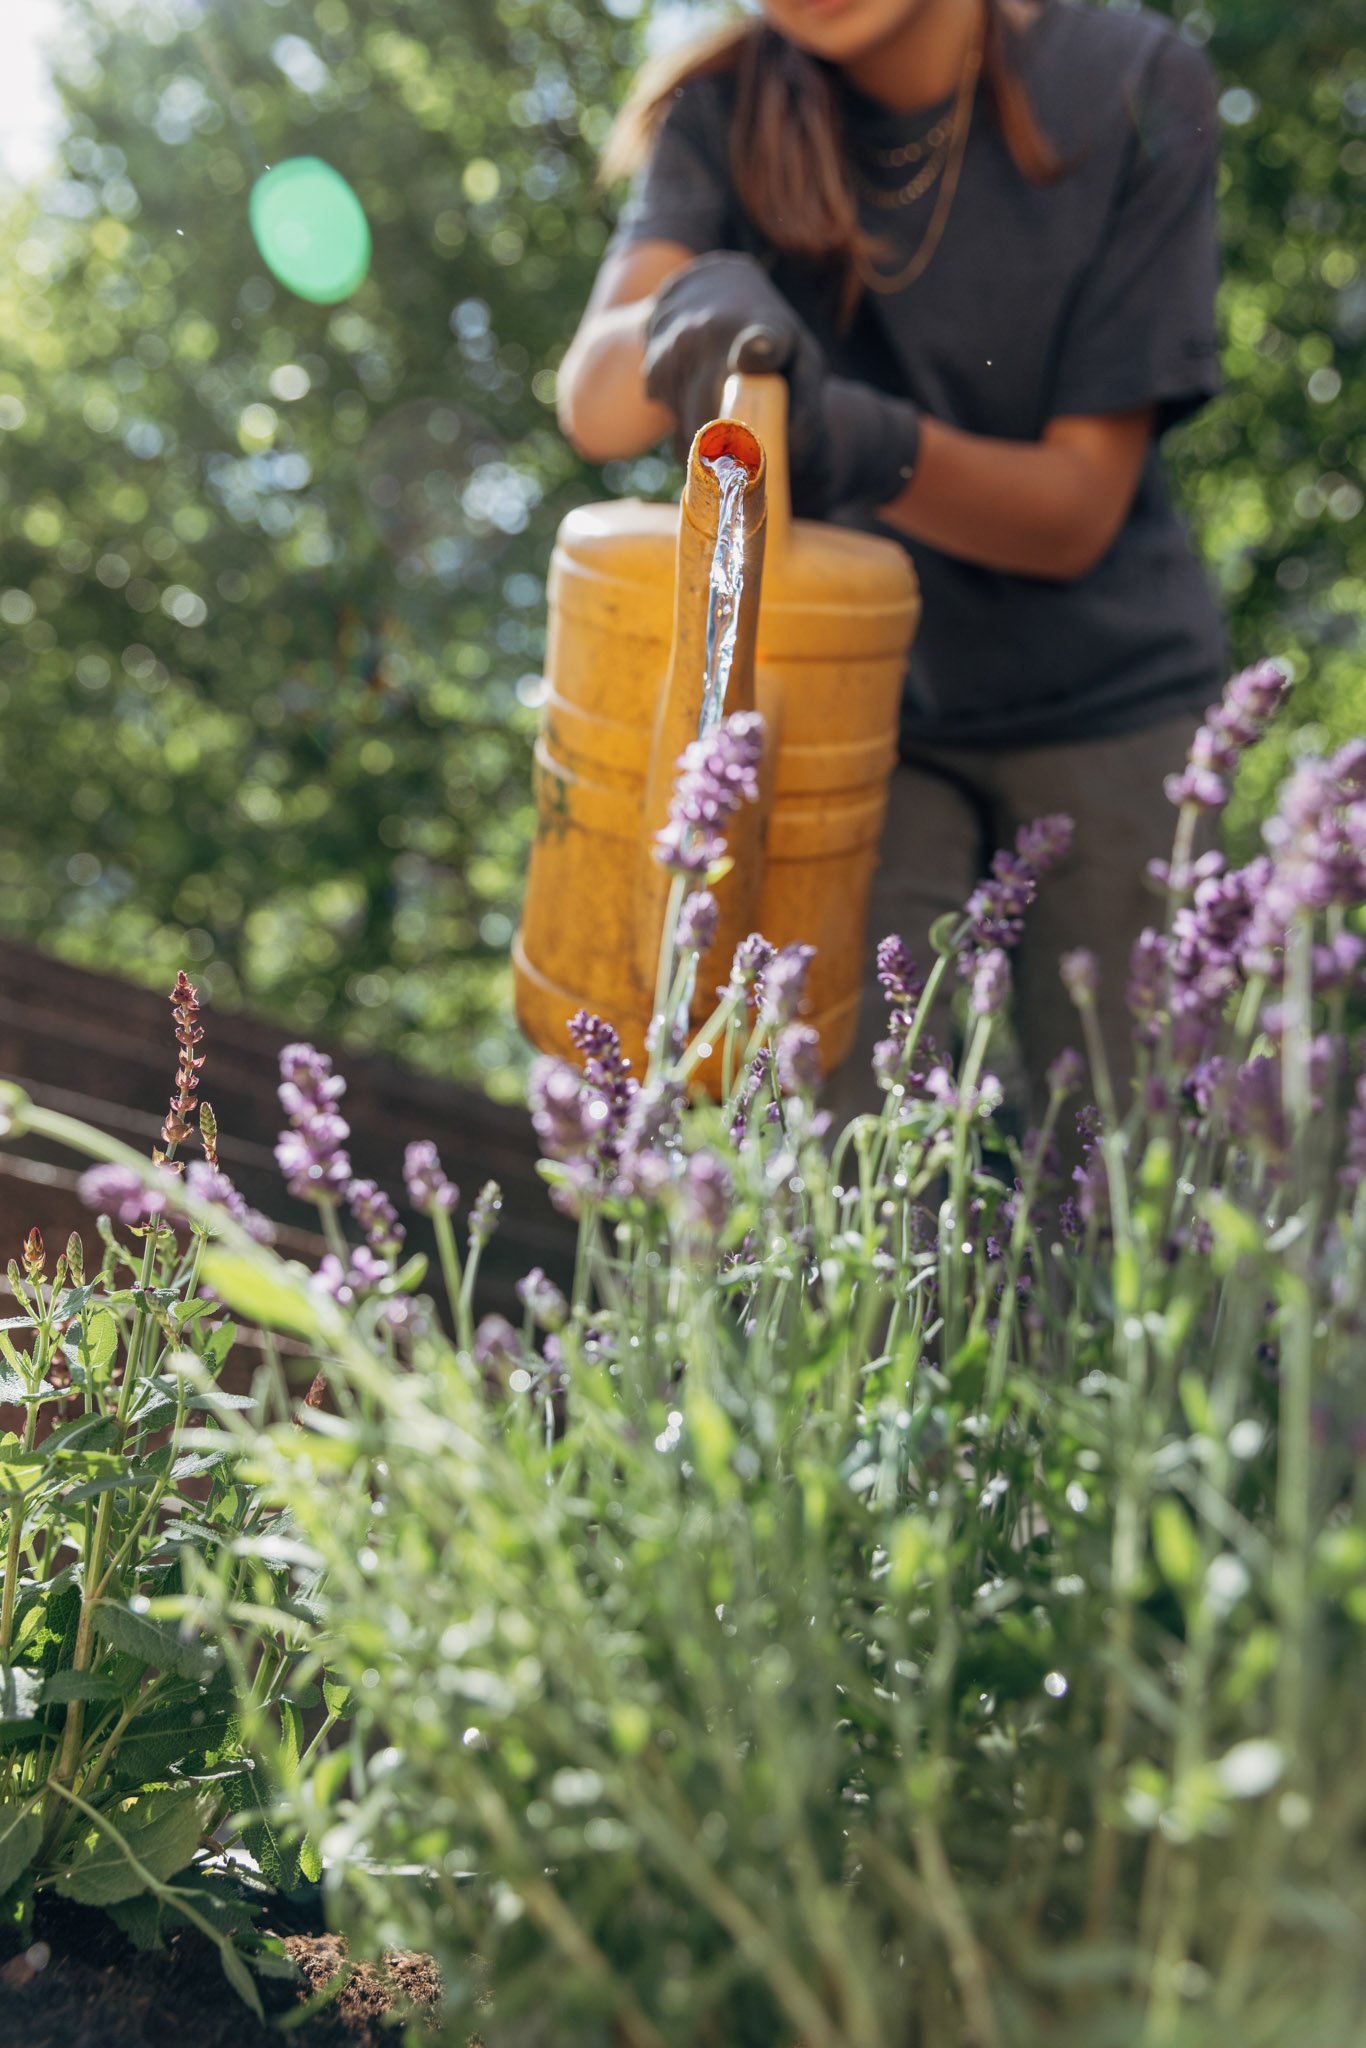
826, 619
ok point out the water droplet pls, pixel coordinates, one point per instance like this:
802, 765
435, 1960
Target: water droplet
1055, 1685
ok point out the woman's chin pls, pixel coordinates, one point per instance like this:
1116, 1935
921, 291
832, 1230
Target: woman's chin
840, 31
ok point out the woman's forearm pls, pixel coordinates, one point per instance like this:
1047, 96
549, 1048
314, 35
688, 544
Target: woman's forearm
1049, 508
600, 388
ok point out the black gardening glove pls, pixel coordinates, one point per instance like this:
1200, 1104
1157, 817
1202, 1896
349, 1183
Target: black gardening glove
861, 450
847, 443
699, 315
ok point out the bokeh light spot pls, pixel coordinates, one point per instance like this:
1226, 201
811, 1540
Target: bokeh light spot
311, 229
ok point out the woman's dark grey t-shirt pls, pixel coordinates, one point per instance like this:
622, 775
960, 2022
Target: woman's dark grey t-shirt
1094, 294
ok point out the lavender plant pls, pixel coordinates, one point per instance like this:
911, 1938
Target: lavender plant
884, 1604
120, 1730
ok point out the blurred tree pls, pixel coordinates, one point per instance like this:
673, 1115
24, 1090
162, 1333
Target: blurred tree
272, 574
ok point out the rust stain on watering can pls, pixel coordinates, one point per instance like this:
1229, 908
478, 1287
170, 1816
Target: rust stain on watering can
822, 654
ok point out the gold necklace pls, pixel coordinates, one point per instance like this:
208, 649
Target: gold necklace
907, 194
911, 152
896, 281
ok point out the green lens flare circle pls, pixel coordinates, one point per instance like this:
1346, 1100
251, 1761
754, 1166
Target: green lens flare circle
311, 229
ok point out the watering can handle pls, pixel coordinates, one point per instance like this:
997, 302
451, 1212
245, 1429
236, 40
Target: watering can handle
756, 395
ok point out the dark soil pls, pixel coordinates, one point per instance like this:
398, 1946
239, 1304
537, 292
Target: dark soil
92, 1989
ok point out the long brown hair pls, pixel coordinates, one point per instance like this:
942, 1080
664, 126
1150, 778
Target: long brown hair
788, 156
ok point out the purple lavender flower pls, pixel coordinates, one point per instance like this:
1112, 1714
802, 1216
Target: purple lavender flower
754, 1082
210, 1184
697, 921
1317, 841
717, 773
1256, 1111
990, 982
1337, 963
1044, 842
1067, 1072
1250, 701
1080, 971
484, 1213
652, 1121
784, 985
347, 1283
901, 984
1205, 1082
642, 1174
543, 1300
307, 1081
705, 1193
497, 1347
427, 1185
983, 1100
312, 1154
1147, 976
564, 1116
1092, 1184
375, 1214
1209, 935
797, 1059
121, 1193
605, 1069
1354, 1160
752, 956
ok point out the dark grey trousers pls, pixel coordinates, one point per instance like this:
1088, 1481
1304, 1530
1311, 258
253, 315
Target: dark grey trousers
950, 808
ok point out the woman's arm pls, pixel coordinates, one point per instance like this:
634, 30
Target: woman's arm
1049, 508
600, 388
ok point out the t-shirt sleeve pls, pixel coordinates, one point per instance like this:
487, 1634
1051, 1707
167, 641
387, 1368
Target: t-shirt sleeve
682, 192
1141, 328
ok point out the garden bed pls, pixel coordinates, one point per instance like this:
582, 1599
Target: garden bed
93, 1989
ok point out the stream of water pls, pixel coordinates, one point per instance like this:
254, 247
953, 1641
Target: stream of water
673, 1002
724, 587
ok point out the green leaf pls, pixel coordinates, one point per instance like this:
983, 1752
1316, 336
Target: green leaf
266, 1293
410, 1275
140, 1919
21, 1830
155, 1642
82, 1433
1195, 1401
95, 1345
712, 1438
217, 1345
943, 930
1236, 1235
160, 1829
240, 1978
339, 1699
82, 1685
21, 1693
1175, 1545
127, 1480
180, 1732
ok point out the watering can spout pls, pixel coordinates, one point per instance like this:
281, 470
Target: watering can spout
692, 666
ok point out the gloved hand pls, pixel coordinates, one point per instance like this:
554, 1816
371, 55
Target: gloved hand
699, 314
863, 451
847, 443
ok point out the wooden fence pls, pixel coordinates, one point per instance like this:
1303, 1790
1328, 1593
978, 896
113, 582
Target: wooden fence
96, 1048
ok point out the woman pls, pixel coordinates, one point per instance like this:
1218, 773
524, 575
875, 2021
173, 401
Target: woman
984, 233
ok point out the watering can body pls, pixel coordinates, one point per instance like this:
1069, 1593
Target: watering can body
823, 656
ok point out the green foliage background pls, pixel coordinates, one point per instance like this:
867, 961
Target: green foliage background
272, 574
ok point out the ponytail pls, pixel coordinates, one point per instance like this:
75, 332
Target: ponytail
788, 157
